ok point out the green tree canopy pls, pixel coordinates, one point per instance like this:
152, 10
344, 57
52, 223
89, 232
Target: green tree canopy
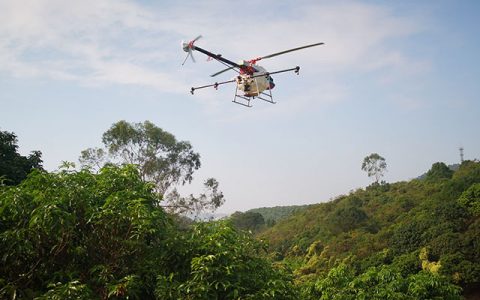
157, 153
247, 221
161, 159
470, 199
14, 167
347, 218
439, 170
225, 264
81, 234
381, 283
375, 166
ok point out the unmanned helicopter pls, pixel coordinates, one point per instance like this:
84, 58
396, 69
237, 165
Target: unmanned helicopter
252, 81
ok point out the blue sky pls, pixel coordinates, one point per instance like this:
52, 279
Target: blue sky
396, 78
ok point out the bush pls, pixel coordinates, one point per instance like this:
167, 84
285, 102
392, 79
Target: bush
73, 233
226, 264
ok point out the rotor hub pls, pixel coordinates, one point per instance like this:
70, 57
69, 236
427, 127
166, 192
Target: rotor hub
187, 47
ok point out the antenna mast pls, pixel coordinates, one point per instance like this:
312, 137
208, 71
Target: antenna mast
461, 154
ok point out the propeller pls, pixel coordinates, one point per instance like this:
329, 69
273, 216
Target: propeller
253, 61
286, 51
188, 47
222, 71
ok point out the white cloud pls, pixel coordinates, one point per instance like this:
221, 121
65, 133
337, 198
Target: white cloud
123, 42
89, 41
355, 34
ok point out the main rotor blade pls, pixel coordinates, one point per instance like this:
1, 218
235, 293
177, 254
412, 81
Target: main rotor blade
220, 72
290, 50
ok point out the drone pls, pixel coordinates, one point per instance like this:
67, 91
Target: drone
252, 81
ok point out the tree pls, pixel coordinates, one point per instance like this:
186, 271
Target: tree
78, 235
14, 167
161, 159
470, 199
84, 235
381, 283
375, 166
224, 263
209, 200
439, 170
247, 221
158, 155
347, 218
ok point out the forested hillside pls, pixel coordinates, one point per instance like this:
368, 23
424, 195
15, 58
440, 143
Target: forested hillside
258, 219
79, 235
277, 213
107, 234
404, 229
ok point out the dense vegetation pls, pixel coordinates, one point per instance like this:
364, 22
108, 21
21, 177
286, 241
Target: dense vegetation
15, 167
80, 235
85, 234
257, 219
428, 227
272, 215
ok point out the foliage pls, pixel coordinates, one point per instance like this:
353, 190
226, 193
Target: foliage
247, 221
225, 264
374, 165
83, 235
157, 153
416, 226
470, 199
103, 235
73, 234
14, 167
209, 200
272, 215
160, 158
73, 290
346, 218
438, 171
380, 283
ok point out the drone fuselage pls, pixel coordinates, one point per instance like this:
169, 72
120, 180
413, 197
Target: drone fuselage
253, 84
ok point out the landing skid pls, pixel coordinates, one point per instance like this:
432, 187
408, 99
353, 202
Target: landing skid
245, 100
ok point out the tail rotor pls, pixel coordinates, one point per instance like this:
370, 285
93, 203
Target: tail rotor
189, 47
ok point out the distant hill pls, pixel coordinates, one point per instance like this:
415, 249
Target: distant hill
423, 225
258, 219
278, 213
453, 167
